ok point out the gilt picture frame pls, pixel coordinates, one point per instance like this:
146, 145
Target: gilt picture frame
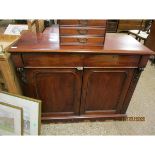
11, 119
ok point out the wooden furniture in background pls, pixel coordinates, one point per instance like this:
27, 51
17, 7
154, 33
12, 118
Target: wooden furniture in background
125, 25
142, 36
33, 25
112, 26
6, 66
2, 83
82, 32
36, 25
41, 25
143, 32
74, 83
150, 41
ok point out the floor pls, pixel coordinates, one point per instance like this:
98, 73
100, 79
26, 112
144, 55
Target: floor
142, 104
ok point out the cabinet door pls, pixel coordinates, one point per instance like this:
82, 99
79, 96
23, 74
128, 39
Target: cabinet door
59, 89
104, 90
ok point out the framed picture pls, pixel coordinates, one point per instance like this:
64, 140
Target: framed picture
15, 29
11, 119
31, 111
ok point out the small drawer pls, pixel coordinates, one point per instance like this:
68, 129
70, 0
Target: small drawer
82, 40
82, 31
101, 23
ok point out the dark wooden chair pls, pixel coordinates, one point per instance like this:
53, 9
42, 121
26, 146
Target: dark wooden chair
143, 32
142, 35
137, 31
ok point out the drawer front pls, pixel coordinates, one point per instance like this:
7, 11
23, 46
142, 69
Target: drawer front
101, 23
81, 40
79, 60
111, 61
82, 31
52, 60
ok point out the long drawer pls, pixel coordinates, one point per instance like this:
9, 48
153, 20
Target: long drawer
77, 60
83, 23
82, 31
82, 40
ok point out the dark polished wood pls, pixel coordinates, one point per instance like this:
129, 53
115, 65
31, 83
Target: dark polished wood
75, 60
58, 88
112, 26
114, 44
99, 23
84, 40
74, 83
82, 31
104, 90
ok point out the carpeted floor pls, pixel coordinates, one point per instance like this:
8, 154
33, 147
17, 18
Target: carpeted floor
142, 104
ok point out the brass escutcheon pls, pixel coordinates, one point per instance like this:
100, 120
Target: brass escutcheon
82, 31
82, 40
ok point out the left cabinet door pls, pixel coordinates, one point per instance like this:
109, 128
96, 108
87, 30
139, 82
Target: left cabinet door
58, 88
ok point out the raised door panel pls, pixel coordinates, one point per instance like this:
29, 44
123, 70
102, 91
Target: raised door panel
59, 90
104, 90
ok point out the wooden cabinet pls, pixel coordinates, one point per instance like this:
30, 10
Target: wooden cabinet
76, 86
74, 83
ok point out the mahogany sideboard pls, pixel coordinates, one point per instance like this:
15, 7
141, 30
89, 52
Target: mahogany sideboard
79, 83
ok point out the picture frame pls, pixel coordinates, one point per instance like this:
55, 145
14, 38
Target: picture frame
11, 119
31, 111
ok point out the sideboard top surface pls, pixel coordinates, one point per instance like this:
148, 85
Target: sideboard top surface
49, 42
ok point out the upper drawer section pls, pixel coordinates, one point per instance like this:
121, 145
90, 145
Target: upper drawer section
82, 31
101, 23
76, 60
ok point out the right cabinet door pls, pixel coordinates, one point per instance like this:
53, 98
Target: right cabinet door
104, 90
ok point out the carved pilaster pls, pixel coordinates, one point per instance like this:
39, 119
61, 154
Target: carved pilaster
22, 74
137, 74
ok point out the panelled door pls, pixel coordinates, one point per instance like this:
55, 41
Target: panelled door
58, 88
72, 91
104, 90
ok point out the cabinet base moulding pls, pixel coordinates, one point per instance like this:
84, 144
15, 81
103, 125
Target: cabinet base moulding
83, 118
